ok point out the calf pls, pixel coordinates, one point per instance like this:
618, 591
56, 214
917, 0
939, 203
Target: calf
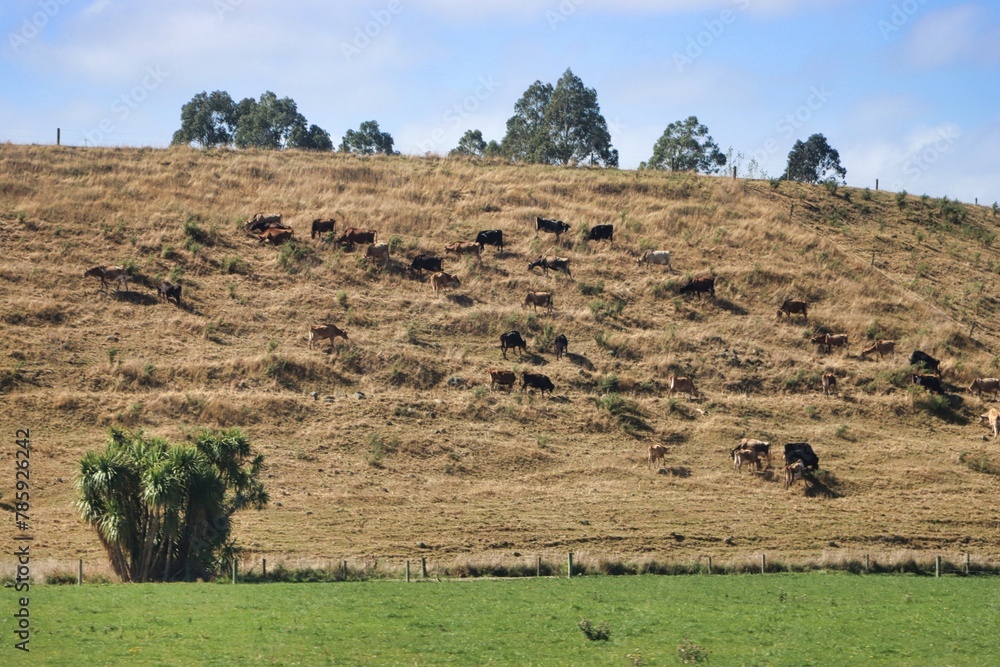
837, 340
987, 385
657, 452
930, 382
275, 235
684, 384
743, 457
537, 381
442, 280
465, 248
537, 299
557, 227
512, 339
991, 418
167, 291
551, 262
882, 347
379, 252
660, 257
699, 286
423, 263
762, 449
561, 345
353, 236
329, 331
921, 358
829, 383
493, 237
601, 232
793, 306
502, 379
321, 226
793, 472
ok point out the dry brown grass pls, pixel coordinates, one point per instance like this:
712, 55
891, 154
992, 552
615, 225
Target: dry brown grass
479, 475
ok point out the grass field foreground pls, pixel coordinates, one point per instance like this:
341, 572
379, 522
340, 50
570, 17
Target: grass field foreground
787, 619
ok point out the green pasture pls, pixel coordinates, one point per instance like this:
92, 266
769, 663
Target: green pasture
775, 619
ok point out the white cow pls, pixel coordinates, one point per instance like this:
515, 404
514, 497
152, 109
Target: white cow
661, 257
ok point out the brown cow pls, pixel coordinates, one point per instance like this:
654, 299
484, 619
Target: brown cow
442, 280
460, 248
321, 331
656, 453
321, 226
829, 383
991, 418
561, 344
261, 221
106, 274
795, 471
168, 290
537, 299
380, 252
793, 306
274, 235
743, 457
985, 385
762, 448
353, 236
883, 347
551, 262
502, 379
684, 384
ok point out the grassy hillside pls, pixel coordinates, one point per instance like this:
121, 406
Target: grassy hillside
474, 474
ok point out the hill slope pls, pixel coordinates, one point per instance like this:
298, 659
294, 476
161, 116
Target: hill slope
480, 474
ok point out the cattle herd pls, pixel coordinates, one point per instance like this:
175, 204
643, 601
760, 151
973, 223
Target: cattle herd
799, 457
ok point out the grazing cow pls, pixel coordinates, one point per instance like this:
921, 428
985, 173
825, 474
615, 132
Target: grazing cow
793, 306
353, 236
537, 381
920, 358
928, 382
423, 263
557, 227
661, 257
551, 262
801, 451
167, 291
465, 248
698, 286
321, 226
493, 237
561, 345
991, 418
657, 452
829, 383
837, 340
601, 232
684, 384
321, 331
379, 252
442, 280
512, 339
261, 221
987, 385
275, 235
883, 347
537, 299
743, 457
795, 471
109, 274
762, 448
502, 379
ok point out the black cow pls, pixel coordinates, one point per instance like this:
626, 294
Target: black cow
601, 232
929, 382
561, 345
801, 451
512, 339
556, 227
493, 237
920, 358
167, 291
321, 226
537, 381
423, 263
699, 285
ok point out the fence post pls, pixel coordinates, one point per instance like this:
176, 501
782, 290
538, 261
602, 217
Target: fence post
234, 570
407, 571
58, 136
763, 563
569, 565
876, 185
734, 173
345, 570
710, 565
423, 567
966, 562
263, 568
868, 563
937, 566
538, 567
79, 572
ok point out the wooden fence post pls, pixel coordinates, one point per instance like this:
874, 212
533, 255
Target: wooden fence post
234, 570
58, 136
868, 563
763, 563
876, 185
966, 562
407, 571
263, 568
538, 567
710, 565
569, 565
79, 572
345, 570
734, 173
423, 567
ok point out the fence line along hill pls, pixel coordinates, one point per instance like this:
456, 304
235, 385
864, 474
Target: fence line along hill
389, 444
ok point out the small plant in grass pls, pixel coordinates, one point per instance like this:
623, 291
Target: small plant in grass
342, 299
591, 289
378, 449
176, 273
168, 252
979, 463
842, 431
775, 182
413, 332
543, 341
831, 185
690, 653
866, 194
481, 391
595, 633
272, 345
231, 265
193, 230
232, 290
112, 354
608, 384
812, 412
901, 199
995, 208
292, 256
395, 243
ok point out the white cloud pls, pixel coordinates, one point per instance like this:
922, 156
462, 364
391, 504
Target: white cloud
962, 33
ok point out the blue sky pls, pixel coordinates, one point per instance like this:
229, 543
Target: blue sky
908, 91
